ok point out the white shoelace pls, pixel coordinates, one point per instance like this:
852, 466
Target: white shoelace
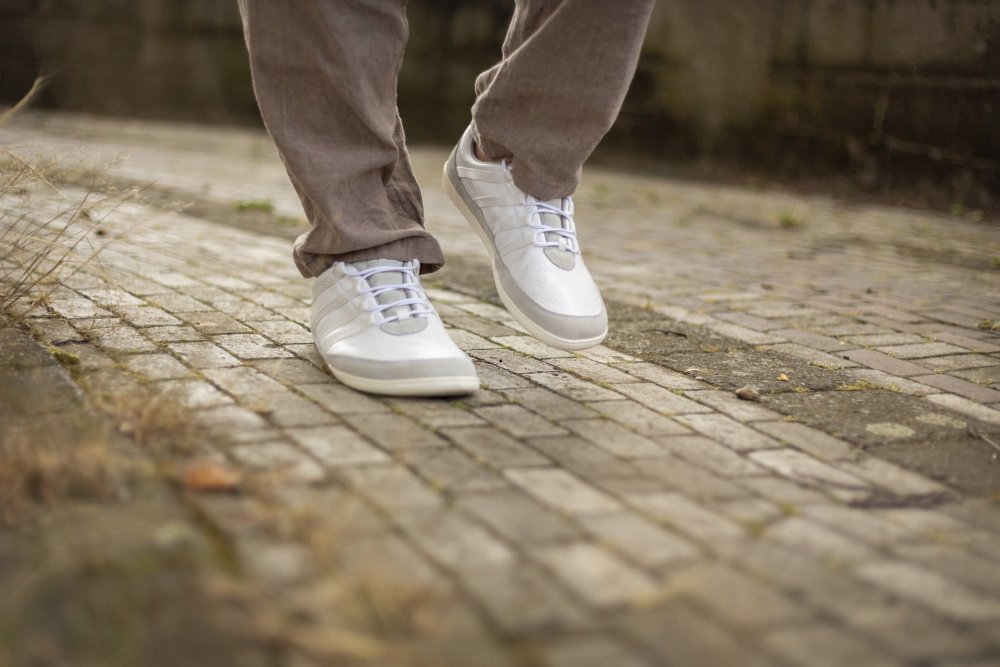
566, 233
410, 285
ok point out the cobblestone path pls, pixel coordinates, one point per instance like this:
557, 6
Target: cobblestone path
615, 507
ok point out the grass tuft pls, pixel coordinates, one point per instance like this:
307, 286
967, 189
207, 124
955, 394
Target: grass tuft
254, 205
64, 357
791, 220
158, 424
37, 474
45, 234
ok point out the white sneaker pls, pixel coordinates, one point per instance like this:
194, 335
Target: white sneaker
378, 332
537, 266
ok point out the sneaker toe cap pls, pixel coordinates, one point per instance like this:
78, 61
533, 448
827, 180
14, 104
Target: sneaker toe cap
563, 329
405, 369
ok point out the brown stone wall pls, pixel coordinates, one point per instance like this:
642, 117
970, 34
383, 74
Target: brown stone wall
176, 58
914, 74
854, 80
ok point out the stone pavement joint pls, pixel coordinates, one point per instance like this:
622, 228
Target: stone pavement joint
619, 504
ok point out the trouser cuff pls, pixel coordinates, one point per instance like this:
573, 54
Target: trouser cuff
422, 248
526, 177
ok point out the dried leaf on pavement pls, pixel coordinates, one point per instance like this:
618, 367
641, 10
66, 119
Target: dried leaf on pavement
210, 476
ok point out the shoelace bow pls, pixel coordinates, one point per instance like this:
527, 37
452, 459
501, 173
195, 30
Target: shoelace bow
409, 285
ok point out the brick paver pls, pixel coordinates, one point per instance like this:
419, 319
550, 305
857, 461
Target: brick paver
605, 507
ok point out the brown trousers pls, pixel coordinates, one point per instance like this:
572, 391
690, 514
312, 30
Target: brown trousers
325, 72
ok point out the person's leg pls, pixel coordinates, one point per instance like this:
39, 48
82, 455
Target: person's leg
566, 67
324, 73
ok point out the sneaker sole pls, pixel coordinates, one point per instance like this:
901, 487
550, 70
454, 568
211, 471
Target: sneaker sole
568, 344
459, 385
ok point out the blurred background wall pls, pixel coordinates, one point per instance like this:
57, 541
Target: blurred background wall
874, 88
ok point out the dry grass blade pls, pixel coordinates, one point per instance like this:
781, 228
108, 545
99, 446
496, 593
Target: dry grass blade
979, 435
31, 169
33, 474
36, 88
45, 236
161, 426
33, 252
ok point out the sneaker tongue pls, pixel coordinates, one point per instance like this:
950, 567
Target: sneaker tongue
391, 296
559, 255
386, 278
554, 220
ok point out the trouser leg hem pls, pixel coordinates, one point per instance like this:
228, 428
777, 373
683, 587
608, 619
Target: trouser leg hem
425, 249
525, 177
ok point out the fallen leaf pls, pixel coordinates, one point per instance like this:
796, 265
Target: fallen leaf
210, 476
783, 378
748, 393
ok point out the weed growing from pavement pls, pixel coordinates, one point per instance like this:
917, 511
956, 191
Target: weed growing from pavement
259, 205
286, 221
157, 423
860, 385
64, 357
37, 473
90, 462
45, 234
791, 220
